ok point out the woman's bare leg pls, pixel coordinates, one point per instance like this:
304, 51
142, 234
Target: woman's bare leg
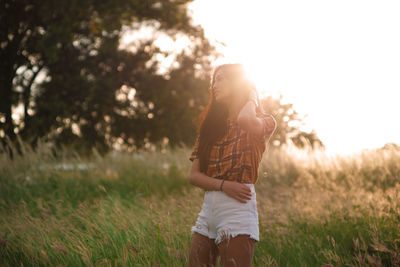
237, 251
203, 251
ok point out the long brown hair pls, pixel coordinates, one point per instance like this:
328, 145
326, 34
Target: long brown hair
212, 121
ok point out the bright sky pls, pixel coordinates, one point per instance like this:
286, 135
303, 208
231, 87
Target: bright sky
338, 62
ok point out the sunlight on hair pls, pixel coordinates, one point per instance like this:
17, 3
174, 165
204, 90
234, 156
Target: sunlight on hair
255, 73
247, 72
250, 75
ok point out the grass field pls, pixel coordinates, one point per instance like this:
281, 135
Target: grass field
125, 209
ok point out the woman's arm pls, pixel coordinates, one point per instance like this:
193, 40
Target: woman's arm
201, 180
233, 189
247, 118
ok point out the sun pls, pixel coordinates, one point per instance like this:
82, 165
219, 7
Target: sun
252, 72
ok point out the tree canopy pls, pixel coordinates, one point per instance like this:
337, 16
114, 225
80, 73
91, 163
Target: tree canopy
62, 64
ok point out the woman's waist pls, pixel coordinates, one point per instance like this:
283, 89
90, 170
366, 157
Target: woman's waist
243, 179
250, 185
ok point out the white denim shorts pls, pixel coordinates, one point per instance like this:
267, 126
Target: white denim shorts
224, 216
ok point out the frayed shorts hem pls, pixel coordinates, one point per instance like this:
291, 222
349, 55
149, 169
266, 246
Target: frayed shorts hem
229, 234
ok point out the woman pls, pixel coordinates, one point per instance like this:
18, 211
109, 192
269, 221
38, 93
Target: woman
232, 136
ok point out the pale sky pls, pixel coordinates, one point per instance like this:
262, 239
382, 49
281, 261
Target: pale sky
338, 62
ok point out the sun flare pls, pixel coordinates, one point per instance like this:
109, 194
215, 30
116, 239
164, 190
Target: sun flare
341, 73
254, 73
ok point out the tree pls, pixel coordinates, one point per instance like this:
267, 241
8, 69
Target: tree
289, 122
62, 62
73, 45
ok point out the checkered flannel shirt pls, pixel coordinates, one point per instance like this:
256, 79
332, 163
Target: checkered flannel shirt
237, 155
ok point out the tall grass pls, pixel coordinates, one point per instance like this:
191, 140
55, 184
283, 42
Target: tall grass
129, 209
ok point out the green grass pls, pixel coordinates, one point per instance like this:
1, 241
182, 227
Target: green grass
314, 210
334, 241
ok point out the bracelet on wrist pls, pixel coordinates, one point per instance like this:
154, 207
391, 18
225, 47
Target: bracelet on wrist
220, 188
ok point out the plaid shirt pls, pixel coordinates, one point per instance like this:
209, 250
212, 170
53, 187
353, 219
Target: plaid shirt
237, 155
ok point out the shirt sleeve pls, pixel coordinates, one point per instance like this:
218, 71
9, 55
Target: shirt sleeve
269, 127
195, 150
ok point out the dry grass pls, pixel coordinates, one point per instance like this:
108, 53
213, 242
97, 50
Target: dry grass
137, 210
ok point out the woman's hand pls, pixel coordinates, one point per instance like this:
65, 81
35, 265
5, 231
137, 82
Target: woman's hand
253, 95
237, 191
